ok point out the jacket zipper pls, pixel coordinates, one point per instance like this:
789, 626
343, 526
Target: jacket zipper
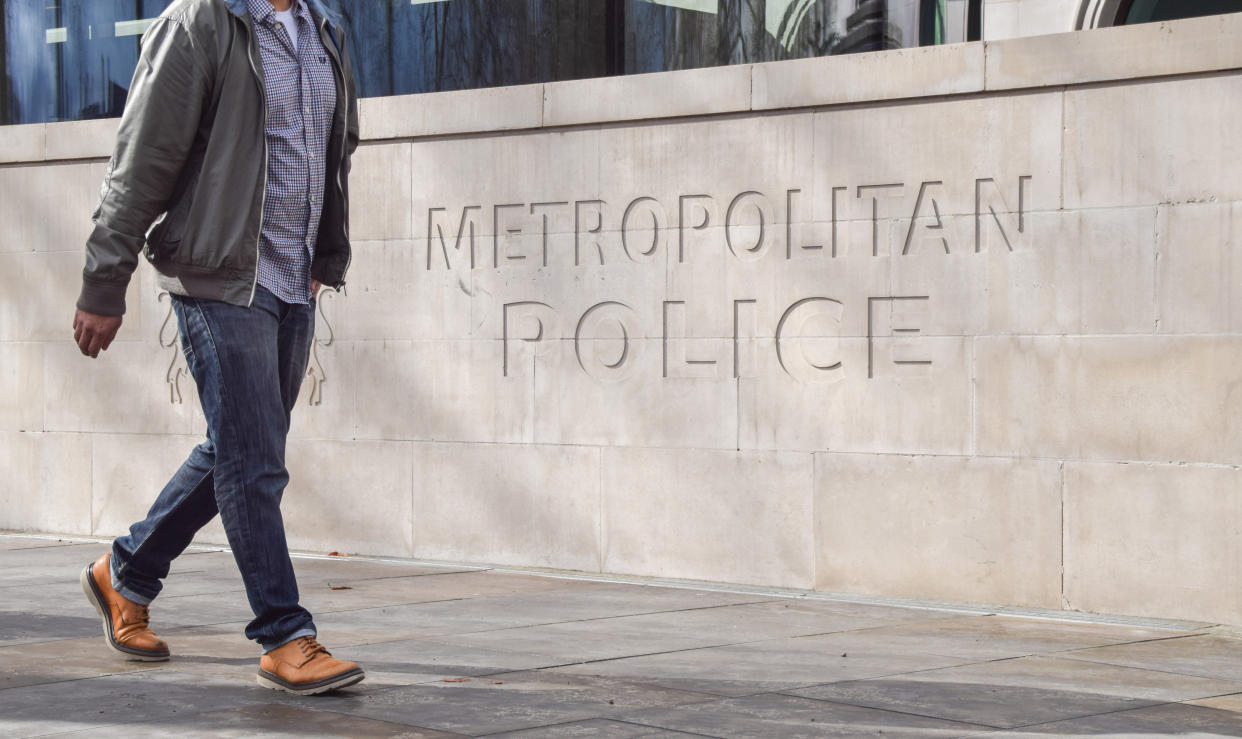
263, 203
340, 70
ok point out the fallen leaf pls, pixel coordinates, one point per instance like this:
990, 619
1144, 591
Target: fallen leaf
335, 554
340, 587
456, 680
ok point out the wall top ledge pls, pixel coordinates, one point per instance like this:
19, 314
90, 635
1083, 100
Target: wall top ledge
1191, 46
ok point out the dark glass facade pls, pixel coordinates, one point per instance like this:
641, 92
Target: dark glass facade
72, 59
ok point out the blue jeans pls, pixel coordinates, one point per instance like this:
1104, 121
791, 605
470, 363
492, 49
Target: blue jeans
248, 364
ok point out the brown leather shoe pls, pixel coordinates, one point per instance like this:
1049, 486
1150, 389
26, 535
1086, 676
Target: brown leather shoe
126, 624
304, 667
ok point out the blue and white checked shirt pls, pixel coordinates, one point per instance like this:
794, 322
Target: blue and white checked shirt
301, 99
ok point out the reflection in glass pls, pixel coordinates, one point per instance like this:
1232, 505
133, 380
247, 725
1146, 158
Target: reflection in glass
1146, 11
73, 59
70, 59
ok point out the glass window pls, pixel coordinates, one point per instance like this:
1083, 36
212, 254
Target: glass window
73, 59
1145, 11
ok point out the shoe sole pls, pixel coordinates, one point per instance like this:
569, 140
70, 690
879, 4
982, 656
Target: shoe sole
336, 682
96, 598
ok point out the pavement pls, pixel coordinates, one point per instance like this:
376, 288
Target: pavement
459, 651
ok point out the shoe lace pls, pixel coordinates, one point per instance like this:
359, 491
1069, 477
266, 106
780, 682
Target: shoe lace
310, 647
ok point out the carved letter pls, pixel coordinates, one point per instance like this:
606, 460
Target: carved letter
544, 218
892, 191
937, 225
809, 329
836, 216
987, 197
761, 207
496, 224
790, 220
657, 224
434, 228
526, 322
744, 335
897, 329
676, 363
599, 227
682, 221
589, 343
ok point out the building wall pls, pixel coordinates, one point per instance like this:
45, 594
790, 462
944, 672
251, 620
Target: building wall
956, 323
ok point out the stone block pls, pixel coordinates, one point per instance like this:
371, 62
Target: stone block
461, 111
47, 483
442, 391
527, 505
351, 497
43, 289
21, 386
940, 528
24, 143
729, 293
896, 161
327, 405
705, 91
121, 490
1200, 269
743, 517
507, 303
123, 391
614, 392
674, 162
894, 394
1089, 271
393, 295
1186, 46
926, 71
47, 207
1143, 167
459, 177
82, 139
1152, 398
379, 192
1154, 540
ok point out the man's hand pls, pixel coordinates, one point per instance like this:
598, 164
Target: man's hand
94, 333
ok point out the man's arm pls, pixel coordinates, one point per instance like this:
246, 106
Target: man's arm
166, 99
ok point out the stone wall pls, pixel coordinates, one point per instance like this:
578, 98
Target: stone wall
957, 323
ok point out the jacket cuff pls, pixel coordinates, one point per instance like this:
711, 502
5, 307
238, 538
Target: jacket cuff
102, 297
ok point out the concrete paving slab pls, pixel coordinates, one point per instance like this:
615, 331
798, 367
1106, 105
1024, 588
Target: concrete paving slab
1020, 692
157, 695
1203, 655
768, 715
759, 667
43, 565
44, 662
513, 701
990, 637
596, 728
27, 627
1181, 720
9, 543
598, 639
267, 722
493, 652
442, 656
1229, 703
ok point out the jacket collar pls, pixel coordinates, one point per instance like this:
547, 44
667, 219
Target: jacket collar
320, 9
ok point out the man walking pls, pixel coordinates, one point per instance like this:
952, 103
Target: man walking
230, 172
